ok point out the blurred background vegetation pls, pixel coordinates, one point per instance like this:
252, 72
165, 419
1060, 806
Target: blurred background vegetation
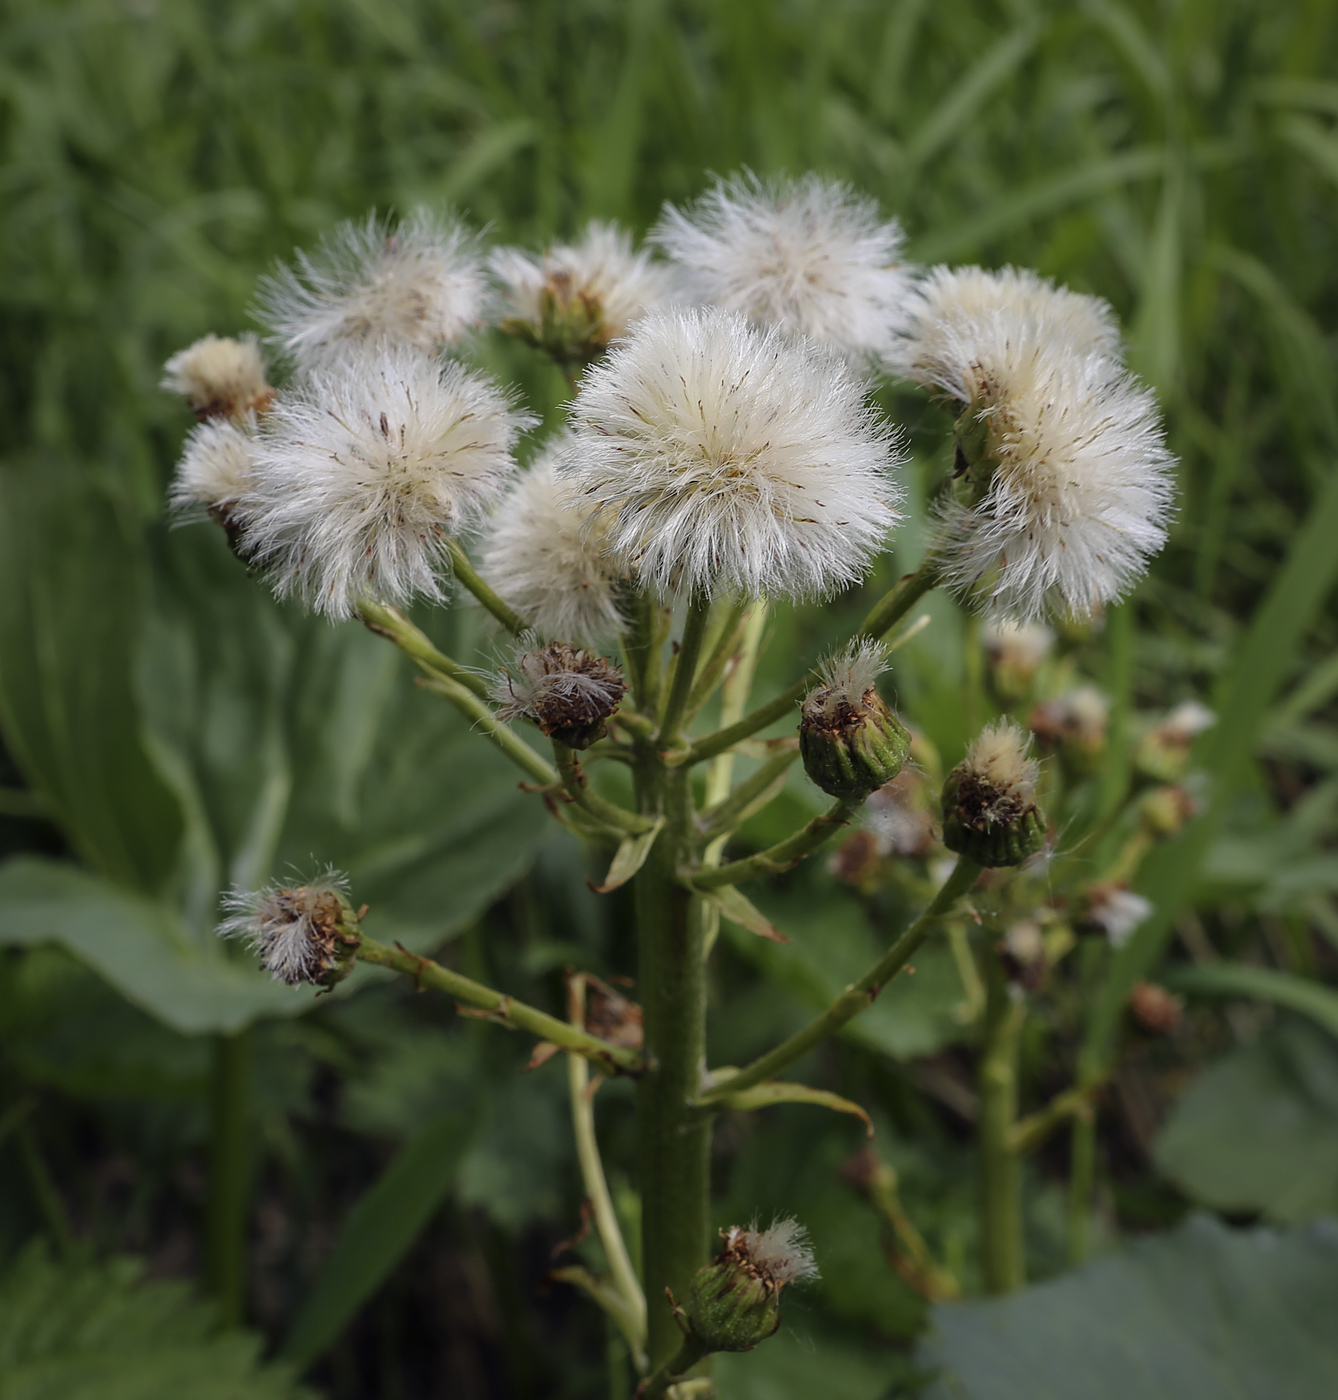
168, 730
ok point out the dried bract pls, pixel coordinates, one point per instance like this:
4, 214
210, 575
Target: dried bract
568, 693
303, 933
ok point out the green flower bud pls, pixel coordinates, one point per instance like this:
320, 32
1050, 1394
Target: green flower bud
1163, 752
1074, 726
568, 693
1016, 652
306, 933
851, 743
734, 1303
989, 800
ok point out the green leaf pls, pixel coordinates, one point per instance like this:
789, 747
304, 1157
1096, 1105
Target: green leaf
1311, 999
379, 1231
71, 587
629, 858
781, 1091
100, 1331
1258, 1130
1200, 1314
140, 946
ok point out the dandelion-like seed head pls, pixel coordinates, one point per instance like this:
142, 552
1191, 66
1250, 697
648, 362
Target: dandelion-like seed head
543, 556
954, 306
810, 257
575, 298
719, 458
779, 1255
847, 676
215, 470
1116, 911
360, 479
418, 284
567, 692
220, 377
303, 933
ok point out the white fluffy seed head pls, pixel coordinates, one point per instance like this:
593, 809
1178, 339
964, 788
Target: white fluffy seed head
720, 458
1081, 481
1079, 716
810, 257
418, 284
215, 471
1117, 911
542, 559
612, 281
294, 929
220, 377
847, 676
779, 1255
361, 478
954, 306
998, 762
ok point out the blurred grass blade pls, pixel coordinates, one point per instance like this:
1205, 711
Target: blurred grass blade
380, 1229
1155, 348
1285, 989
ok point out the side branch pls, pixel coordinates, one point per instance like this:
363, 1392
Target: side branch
782, 855
901, 598
612, 1059
579, 789
391, 623
855, 997
756, 719
473, 581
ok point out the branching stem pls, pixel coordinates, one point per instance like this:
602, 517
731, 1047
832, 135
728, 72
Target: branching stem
783, 855
473, 581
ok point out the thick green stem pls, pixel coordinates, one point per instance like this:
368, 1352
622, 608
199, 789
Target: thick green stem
507, 1010
471, 579
229, 1174
1082, 1182
685, 668
901, 598
858, 995
1002, 1255
783, 855
673, 1138
674, 1369
726, 636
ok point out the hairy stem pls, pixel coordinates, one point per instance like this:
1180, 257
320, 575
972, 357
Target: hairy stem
858, 995
783, 854
391, 623
685, 668
673, 1138
471, 579
507, 1010
597, 1190
229, 1174
1003, 1257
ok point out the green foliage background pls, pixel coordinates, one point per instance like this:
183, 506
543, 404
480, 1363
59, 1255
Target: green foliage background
168, 729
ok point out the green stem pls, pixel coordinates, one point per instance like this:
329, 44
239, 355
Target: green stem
1003, 1258
673, 1138
229, 1174
1082, 1182
745, 728
585, 797
740, 804
471, 579
901, 598
487, 723
731, 628
684, 1359
508, 1011
783, 855
1035, 1129
390, 622
44, 1188
858, 995
685, 668
733, 697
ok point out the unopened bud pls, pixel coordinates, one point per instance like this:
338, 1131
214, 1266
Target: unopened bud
303, 933
568, 693
1016, 651
1163, 752
1165, 810
220, 377
1156, 1009
850, 741
1074, 726
734, 1303
989, 800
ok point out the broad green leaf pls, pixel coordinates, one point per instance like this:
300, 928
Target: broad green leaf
101, 1331
71, 586
800, 1364
1201, 1314
378, 1232
140, 946
1311, 999
1258, 1130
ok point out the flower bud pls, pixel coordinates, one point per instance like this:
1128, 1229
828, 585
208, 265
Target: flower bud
851, 743
989, 800
220, 377
1074, 726
1163, 752
306, 933
1114, 909
1156, 1009
734, 1303
568, 693
1165, 810
1016, 651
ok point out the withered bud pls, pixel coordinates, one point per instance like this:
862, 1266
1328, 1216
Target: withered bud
851, 743
1165, 810
1156, 1009
1016, 651
568, 693
989, 800
734, 1302
303, 933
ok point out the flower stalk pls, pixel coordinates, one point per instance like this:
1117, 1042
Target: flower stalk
1002, 1252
